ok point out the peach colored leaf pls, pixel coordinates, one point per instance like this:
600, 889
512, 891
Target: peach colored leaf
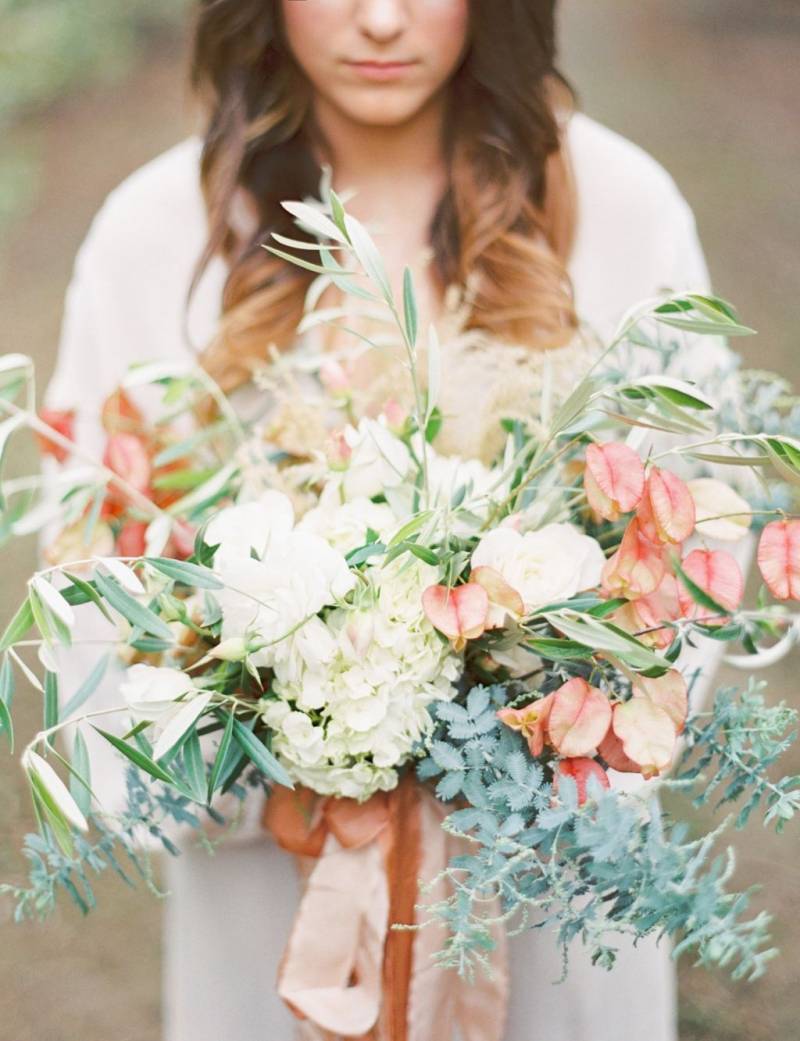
580, 770
613, 480
498, 590
459, 613
779, 558
669, 692
717, 573
610, 748
646, 617
638, 566
667, 509
579, 719
647, 734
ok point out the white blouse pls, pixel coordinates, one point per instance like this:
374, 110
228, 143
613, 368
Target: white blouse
636, 235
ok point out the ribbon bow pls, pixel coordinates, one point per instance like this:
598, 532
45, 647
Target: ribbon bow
345, 972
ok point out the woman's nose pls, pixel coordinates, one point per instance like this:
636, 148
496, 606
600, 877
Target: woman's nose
382, 20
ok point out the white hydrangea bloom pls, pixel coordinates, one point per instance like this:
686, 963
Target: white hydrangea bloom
345, 723
344, 524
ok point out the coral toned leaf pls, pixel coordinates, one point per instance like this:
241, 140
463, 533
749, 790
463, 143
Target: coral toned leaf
498, 590
127, 456
669, 692
647, 734
131, 539
610, 748
667, 511
779, 558
647, 616
459, 613
580, 770
530, 721
63, 422
579, 719
119, 415
716, 574
614, 479
638, 566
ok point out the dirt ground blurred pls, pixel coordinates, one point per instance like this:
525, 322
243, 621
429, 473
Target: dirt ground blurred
711, 88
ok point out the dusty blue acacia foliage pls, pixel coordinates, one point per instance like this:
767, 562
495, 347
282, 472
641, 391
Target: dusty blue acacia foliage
616, 865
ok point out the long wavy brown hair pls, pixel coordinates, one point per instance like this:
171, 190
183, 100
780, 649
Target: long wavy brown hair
508, 212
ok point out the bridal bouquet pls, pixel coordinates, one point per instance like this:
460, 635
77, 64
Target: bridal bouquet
366, 620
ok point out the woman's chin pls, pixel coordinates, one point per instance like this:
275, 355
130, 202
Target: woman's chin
379, 107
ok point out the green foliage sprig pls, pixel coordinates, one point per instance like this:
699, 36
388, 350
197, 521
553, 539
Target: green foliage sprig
740, 740
615, 865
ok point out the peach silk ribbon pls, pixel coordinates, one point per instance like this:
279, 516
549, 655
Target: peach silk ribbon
345, 973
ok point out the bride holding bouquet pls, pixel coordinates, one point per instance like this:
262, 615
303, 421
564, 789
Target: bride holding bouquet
530, 230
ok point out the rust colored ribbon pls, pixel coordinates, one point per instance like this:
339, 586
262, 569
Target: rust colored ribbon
345, 973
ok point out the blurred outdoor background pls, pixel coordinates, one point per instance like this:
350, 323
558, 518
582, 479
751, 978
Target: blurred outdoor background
90, 89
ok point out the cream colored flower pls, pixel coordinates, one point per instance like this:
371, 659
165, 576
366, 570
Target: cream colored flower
544, 566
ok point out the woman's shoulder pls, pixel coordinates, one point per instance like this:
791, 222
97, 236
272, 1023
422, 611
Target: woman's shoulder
159, 203
606, 163
636, 233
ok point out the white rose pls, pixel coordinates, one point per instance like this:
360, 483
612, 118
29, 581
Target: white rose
544, 566
378, 460
151, 693
254, 525
269, 597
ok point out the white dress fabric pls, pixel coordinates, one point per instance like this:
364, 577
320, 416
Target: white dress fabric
228, 914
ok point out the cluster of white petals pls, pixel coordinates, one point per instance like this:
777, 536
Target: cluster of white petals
377, 459
277, 577
353, 676
352, 701
345, 523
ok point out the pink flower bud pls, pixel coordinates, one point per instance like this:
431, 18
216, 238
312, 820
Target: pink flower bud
338, 451
334, 378
127, 456
63, 422
396, 416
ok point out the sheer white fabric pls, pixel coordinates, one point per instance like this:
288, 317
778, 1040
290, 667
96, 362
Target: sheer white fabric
228, 914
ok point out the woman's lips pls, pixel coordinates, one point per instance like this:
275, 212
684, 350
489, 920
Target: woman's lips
374, 70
